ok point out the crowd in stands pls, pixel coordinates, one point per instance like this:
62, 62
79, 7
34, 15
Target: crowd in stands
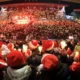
39, 60
44, 49
57, 29
44, 21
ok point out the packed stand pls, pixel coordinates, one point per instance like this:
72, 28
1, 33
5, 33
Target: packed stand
27, 54
57, 29
39, 60
44, 21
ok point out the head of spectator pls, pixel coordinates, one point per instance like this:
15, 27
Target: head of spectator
47, 46
33, 44
4, 50
75, 67
48, 62
15, 59
10, 46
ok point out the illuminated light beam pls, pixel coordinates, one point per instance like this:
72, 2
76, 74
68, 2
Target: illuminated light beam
22, 21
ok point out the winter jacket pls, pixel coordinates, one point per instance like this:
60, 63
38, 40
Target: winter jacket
60, 73
34, 61
19, 74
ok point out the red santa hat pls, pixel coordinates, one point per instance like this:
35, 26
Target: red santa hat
47, 45
75, 66
49, 61
33, 44
55, 43
15, 59
3, 64
10, 46
68, 52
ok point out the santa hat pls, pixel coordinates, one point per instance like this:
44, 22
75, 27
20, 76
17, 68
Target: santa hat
75, 66
49, 61
33, 44
15, 59
55, 43
47, 45
4, 50
3, 64
68, 52
1, 57
10, 46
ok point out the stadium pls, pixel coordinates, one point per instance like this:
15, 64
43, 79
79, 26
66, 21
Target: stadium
39, 39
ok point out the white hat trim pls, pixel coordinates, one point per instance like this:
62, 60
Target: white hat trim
32, 46
50, 47
44, 56
5, 64
12, 45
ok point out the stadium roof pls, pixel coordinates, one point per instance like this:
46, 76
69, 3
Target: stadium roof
74, 3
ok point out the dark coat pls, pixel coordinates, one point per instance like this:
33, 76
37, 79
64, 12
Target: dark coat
34, 61
60, 73
75, 71
1, 75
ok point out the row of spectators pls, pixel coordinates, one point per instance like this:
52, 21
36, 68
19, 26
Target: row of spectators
40, 60
44, 22
46, 29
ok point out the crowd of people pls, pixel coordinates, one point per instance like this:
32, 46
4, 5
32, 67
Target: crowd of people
46, 48
46, 29
42, 20
39, 60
